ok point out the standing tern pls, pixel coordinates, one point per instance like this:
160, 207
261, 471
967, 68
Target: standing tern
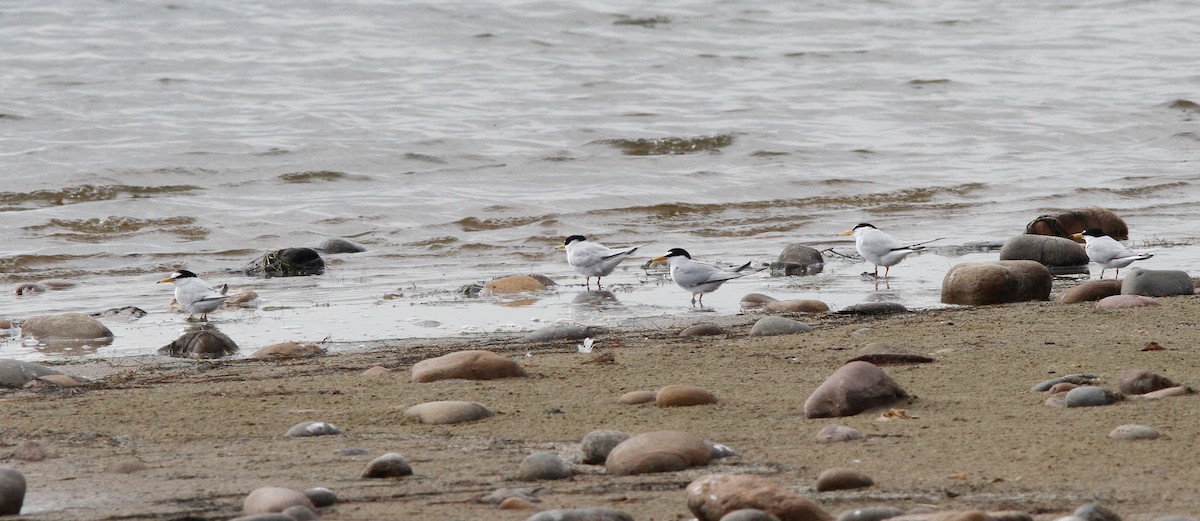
195, 295
880, 248
1107, 252
698, 277
592, 259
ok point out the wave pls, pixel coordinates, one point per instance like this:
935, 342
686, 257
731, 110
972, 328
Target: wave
96, 230
10, 201
669, 145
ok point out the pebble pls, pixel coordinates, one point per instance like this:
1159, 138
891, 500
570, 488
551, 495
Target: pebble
1134, 432
1138, 381
12, 491
378, 370
67, 327
702, 330
772, 326
999, 282
503, 494
713, 496
516, 503
683, 395
749, 514
884, 353
1157, 283
205, 343
637, 397
512, 284
448, 412
851, 389
842, 479
659, 451
1090, 396
267, 500
340, 245
1095, 512
387, 466
560, 332
719, 451
543, 466
837, 434
873, 308
870, 514
1078, 379
1125, 301
312, 428
581, 514
1061, 387
798, 259
752, 301
301, 513
1044, 249
797, 306
321, 497
1090, 291
1168, 392
597, 444
15, 373
288, 350
466, 365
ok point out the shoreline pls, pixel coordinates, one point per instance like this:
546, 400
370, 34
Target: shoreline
212, 431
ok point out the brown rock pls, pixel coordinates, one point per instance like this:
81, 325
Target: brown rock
515, 503
288, 350
467, 365
1125, 301
660, 451
448, 412
637, 397
512, 284
842, 479
1070, 222
884, 353
797, 306
268, 500
683, 395
1168, 392
1061, 387
756, 300
378, 370
712, 496
1000, 282
1091, 291
1137, 381
853, 388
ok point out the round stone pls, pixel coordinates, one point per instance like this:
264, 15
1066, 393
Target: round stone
512, 284
387, 466
756, 301
1124, 302
67, 327
597, 444
448, 412
321, 497
660, 451
1138, 381
288, 350
713, 496
702, 330
301, 513
683, 395
560, 332
999, 282
312, 428
268, 500
837, 434
1090, 396
516, 503
842, 479
543, 466
637, 397
870, 514
772, 326
797, 306
1134, 432
12, 491
1091, 291
749, 514
466, 365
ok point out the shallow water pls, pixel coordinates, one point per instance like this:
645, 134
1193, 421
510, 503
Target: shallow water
459, 143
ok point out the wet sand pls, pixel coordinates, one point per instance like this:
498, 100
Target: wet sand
978, 438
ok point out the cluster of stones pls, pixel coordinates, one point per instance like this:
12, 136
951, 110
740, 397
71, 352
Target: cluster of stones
1079, 390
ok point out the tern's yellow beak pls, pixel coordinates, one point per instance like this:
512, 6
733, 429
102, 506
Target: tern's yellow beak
657, 259
847, 232
165, 280
1078, 236
561, 247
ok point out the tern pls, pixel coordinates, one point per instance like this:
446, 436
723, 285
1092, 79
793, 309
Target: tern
880, 248
195, 295
1107, 252
592, 259
698, 277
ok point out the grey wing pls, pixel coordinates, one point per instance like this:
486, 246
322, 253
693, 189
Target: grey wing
695, 273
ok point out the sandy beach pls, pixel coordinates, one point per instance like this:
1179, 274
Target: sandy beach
977, 437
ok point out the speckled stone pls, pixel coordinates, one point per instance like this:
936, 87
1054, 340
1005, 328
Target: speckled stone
660, 451
1090, 396
597, 444
387, 466
312, 428
321, 497
543, 466
1134, 432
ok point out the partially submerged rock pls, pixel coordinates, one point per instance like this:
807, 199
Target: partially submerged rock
286, 262
202, 343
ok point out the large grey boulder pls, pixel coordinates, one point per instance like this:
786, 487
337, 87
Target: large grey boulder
1049, 251
1157, 283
